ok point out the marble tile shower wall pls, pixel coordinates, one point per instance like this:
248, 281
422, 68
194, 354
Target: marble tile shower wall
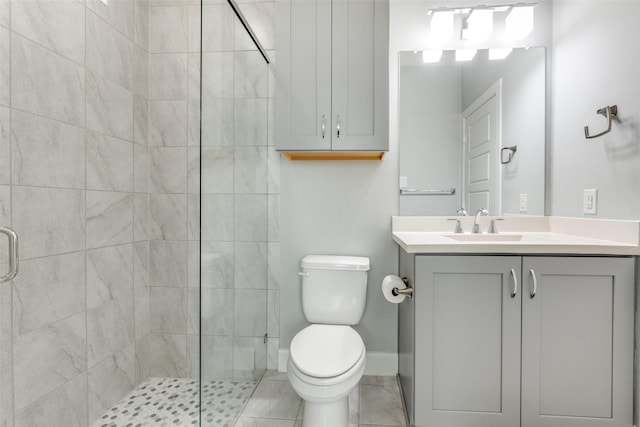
74, 324
240, 236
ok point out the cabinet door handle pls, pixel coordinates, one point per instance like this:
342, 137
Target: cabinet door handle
323, 126
338, 125
13, 254
515, 284
535, 284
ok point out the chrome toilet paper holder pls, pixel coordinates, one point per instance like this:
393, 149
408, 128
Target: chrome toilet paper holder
408, 291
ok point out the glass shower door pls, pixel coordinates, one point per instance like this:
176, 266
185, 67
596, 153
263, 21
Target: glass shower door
233, 208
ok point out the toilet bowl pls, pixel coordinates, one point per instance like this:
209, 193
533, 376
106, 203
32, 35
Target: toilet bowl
326, 362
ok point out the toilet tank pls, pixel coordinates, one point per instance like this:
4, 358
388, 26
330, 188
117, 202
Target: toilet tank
334, 288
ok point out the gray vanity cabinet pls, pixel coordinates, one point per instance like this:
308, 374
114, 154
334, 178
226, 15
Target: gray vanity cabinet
332, 75
482, 356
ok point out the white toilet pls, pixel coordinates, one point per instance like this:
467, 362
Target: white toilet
326, 359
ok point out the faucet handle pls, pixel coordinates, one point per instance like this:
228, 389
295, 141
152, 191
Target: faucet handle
492, 226
458, 229
462, 211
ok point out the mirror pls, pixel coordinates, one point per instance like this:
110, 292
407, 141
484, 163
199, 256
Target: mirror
472, 134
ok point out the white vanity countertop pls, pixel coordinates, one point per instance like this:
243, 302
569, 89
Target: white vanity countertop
534, 234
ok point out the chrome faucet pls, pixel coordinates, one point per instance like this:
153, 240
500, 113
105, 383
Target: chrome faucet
476, 222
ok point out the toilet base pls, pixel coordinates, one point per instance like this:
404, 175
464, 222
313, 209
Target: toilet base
326, 414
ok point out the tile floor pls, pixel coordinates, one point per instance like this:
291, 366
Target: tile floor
376, 403
174, 402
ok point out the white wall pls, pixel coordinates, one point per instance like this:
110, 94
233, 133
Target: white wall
341, 208
596, 62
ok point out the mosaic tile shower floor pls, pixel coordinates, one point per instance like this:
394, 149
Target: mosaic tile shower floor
174, 402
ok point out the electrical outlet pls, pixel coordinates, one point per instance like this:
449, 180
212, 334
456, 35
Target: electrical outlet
590, 202
523, 202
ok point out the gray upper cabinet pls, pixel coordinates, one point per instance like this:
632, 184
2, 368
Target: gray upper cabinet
558, 353
332, 75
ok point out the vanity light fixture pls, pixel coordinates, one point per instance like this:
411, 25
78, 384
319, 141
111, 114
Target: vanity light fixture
465, 54
430, 56
475, 24
478, 26
442, 26
497, 54
519, 22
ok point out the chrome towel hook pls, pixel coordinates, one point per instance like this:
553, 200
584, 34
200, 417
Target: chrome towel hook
609, 112
510, 152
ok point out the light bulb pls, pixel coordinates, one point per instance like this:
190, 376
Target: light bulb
495, 54
519, 22
441, 27
479, 25
429, 56
465, 54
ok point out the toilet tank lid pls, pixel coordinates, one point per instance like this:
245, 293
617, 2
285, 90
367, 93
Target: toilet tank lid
335, 262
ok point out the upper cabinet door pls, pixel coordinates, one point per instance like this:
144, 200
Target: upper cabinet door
303, 78
360, 75
577, 342
332, 75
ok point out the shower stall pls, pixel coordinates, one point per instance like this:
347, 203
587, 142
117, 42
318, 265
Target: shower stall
138, 172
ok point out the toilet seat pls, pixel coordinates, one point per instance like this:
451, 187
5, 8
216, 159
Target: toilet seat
326, 351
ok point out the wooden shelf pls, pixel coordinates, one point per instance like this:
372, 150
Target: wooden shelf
333, 155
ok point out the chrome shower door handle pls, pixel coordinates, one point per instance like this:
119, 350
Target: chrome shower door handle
13, 254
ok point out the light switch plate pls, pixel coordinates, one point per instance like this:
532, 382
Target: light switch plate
590, 202
523, 202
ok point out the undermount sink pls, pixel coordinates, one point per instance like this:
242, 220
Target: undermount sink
485, 237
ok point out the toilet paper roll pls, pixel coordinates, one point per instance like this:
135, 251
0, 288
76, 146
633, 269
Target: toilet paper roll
390, 282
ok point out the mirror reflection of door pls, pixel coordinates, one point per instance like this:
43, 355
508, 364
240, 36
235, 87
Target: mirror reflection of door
481, 132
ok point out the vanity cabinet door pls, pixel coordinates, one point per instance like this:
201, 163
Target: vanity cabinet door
577, 342
467, 348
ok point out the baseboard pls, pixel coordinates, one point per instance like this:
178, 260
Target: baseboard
377, 363
382, 364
